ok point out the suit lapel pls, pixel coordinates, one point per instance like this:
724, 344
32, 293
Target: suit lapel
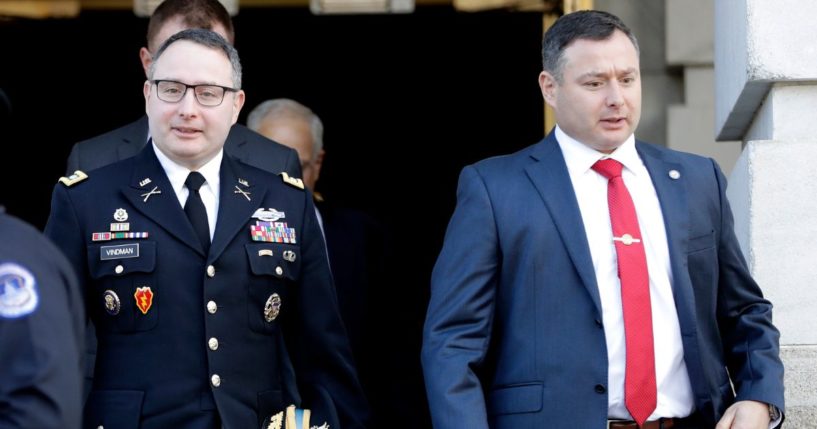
238, 200
668, 178
552, 180
161, 206
134, 139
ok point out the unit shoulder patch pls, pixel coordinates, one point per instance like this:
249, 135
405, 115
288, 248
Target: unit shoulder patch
73, 179
298, 183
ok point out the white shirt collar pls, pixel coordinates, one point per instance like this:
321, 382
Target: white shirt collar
177, 174
580, 157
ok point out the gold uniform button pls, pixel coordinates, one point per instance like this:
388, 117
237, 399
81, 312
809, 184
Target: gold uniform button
215, 380
119, 269
211, 271
212, 343
212, 307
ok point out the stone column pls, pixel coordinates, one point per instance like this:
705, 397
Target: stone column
766, 96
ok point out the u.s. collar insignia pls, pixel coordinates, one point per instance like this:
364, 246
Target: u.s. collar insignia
145, 181
18, 291
298, 183
246, 194
73, 179
144, 298
268, 215
120, 215
244, 182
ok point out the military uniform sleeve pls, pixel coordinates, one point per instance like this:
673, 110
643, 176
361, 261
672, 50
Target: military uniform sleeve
319, 345
41, 335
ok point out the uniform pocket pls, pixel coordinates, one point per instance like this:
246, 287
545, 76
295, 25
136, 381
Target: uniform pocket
276, 268
120, 409
123, 295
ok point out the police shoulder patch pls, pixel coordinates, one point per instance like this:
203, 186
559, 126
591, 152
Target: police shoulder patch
73, 179
292, 181
18, 291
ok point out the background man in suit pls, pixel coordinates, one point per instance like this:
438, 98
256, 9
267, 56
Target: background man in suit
41, 334
356, 244
206, 278
553, 252
170, 17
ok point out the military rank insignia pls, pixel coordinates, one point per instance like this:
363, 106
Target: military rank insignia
272, 232
73, 179
144, 298
292, 181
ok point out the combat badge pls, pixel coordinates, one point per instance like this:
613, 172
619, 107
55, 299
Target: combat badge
112, 303
18, 291
73, 179
144, 298
268, 215
272, 307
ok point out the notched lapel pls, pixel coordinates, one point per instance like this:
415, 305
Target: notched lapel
238, 200
152, 195
552, 180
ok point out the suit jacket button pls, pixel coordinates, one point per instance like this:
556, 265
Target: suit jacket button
213, 343
212, 307
600, 388
211, 271
215, 380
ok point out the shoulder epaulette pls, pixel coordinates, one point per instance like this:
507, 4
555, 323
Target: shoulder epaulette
298, 183
73, 179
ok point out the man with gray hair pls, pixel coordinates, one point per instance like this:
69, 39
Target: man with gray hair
206, 278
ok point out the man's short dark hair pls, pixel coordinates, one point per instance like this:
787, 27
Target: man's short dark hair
585, 24
194, 14
207, 38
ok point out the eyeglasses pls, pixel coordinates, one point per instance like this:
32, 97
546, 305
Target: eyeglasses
207, 95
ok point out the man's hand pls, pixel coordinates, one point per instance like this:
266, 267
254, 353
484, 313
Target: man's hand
745, 415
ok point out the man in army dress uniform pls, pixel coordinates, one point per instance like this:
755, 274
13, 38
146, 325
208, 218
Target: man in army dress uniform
206, 278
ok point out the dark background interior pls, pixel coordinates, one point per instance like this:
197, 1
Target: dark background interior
407, 101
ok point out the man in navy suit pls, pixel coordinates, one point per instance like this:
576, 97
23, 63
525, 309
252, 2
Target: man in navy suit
170, 17
527, 325
206, 278
41, 320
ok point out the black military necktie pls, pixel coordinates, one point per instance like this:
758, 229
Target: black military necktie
194, 208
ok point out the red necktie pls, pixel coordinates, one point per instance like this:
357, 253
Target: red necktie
639, 377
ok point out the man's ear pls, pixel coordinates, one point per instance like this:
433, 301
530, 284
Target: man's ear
146, 92
238, 103
549, 87
146, 57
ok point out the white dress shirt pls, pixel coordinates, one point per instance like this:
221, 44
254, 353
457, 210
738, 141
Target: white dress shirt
675, 398
177, 175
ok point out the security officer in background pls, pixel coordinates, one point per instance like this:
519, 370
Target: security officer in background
206, 278
41, 332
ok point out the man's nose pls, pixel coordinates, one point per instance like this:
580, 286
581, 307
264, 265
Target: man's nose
188, 105
615, 97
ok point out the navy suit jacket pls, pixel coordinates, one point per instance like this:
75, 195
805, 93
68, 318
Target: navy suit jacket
154, 370
513, 336
40, 336
247, 146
